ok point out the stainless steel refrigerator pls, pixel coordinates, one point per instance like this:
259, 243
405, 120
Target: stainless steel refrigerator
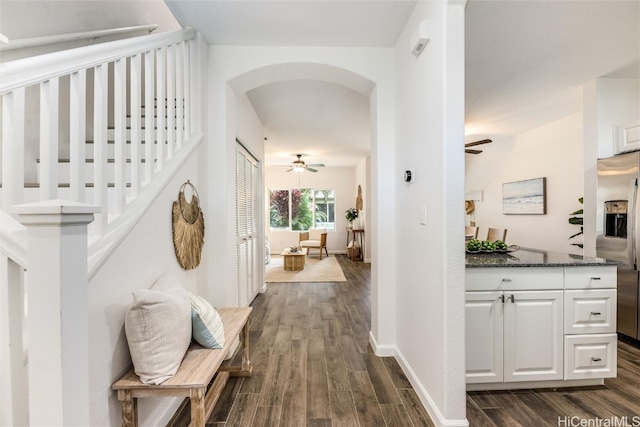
618, 232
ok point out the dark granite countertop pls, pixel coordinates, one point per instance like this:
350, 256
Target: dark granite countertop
529, 257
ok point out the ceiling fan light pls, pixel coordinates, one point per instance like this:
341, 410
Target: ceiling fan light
298, 169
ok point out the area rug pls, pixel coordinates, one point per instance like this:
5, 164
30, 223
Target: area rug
315, 270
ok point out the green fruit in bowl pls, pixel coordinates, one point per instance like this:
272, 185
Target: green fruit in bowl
473, 245
500, 245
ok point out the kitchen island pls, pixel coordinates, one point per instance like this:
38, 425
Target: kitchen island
537, 318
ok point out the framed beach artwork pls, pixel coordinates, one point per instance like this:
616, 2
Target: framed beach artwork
528, 197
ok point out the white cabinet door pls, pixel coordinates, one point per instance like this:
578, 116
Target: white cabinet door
484, 335
533, 336
628, 137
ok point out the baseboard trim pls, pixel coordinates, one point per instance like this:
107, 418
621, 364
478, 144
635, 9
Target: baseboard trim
425, 398
381, 350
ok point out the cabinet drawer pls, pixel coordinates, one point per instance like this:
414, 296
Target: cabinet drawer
590, 311
590, 277
513, 279
590, 356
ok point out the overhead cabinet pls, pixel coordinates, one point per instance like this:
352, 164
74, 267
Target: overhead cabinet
524, 328
628, 137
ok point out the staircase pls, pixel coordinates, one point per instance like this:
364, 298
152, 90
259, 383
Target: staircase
76, 139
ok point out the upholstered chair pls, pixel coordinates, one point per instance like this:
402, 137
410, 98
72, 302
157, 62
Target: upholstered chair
315, 238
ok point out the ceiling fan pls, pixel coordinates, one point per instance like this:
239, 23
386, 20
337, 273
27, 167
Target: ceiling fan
299, 165
472, 144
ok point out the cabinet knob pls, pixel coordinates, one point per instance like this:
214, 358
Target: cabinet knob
596, 359
595, 278
501, 298
595, 313
506, 280
512, 298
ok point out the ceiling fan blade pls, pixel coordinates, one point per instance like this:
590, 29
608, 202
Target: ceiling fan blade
289, 170
311, 169
482, 141
472, 151
317, 165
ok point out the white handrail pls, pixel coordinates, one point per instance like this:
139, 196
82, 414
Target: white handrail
62, 38
28, 71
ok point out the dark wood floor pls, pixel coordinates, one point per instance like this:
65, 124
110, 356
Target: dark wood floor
616, 402
313, 366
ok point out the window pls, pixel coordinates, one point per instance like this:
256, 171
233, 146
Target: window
301, 209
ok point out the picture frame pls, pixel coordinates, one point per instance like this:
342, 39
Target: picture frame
527, 197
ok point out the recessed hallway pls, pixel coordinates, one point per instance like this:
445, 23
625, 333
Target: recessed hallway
313, 365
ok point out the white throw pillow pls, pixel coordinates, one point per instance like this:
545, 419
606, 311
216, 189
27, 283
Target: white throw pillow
158, 329
208, 330
316, 233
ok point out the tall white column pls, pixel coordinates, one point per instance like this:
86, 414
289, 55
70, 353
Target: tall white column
57, 311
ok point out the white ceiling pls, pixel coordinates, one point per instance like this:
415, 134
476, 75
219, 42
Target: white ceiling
327, 122
314, 118
526, 62
362, 23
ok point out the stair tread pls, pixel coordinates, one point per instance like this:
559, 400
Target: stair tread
65, 160
111, 141
67, 185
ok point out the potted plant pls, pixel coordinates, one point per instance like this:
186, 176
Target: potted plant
577, 220
351, 214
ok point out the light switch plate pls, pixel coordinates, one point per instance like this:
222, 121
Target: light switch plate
423, 214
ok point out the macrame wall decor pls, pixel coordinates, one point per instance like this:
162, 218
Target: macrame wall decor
188, 228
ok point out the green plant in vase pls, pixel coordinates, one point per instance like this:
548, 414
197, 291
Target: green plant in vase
576, 219
351, 214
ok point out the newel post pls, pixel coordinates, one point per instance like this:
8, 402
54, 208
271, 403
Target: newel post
57, 316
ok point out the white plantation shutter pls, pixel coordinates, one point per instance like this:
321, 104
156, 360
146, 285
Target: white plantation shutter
248, 226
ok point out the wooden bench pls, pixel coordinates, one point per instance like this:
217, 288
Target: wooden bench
198, 368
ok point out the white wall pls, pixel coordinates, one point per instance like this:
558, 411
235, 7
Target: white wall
144, 254
249, 127
608, 103
554, 151
431, 109
617, 104
430, 256
342, 180
363, 178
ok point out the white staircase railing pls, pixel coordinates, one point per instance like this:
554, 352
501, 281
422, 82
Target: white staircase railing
105, 125
53, 105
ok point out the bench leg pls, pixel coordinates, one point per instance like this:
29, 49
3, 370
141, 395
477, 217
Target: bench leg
129, 408
244, 370
246, 359
197, 407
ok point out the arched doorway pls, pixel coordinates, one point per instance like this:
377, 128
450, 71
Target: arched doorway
375, 82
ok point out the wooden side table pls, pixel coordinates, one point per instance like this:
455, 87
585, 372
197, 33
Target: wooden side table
294, 261
356, 252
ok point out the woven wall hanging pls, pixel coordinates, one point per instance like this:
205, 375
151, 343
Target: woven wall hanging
188, 228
